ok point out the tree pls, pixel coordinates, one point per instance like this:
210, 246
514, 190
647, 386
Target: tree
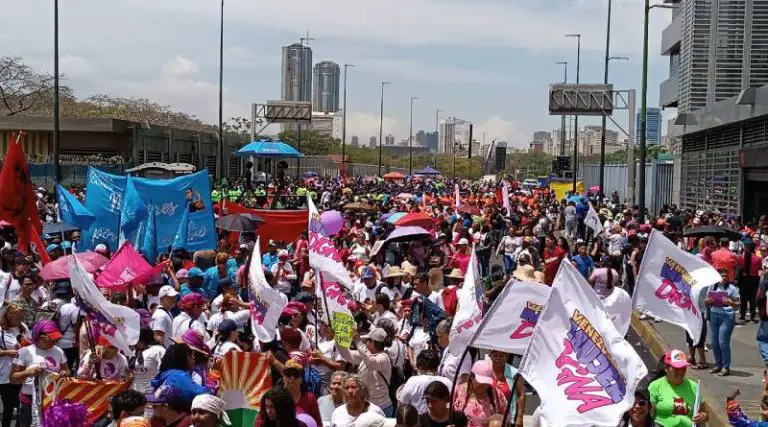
24, 91
313, 143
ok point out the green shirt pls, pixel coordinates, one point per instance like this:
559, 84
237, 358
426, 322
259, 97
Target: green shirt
215, 196
674, 403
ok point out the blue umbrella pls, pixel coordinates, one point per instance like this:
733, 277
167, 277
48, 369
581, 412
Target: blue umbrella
428, 170
395, 216
58, 227
268, 148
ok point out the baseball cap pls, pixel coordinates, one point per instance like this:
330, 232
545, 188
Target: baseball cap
167, 291
377, 334
195, 272
483, 372
367, 273
373, 419
52, 247
463, 241
271, 243
63, 287
676, 359
226, 326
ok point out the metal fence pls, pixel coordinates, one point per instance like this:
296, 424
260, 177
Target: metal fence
324, 166
659, 182
44, 175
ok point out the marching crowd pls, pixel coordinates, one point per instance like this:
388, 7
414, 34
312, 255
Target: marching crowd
398, 370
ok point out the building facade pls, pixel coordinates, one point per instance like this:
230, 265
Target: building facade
453, 135
327, 79
372, 142
652, 126
431, 139
297, 73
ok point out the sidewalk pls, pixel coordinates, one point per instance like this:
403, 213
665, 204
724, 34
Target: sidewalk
746, 370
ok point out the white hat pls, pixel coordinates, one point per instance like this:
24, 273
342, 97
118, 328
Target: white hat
167, 291
101, 247
212, 404
373, 419
463, 241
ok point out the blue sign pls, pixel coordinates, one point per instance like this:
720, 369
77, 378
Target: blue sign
168, 197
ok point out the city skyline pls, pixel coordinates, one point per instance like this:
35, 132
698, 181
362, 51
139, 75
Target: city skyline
327, 83
493, 75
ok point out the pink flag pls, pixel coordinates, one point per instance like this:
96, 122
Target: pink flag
124, 267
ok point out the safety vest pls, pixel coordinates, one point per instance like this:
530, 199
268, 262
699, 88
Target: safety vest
215, 196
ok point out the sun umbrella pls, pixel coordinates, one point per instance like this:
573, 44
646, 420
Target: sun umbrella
408, 234
428, 170
394, 175
395, 217
712, 230
237, 222
419, 219
98, 260
268, 148
467, 209
362, 207
59, 227
59, 269
406, 196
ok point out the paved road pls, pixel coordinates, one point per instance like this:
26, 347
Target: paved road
746, 371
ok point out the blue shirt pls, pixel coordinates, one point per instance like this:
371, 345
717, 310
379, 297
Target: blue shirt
584, 264
268, 260
733, 293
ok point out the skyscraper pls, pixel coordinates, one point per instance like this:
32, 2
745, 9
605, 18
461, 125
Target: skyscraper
716, 49
297, 73
652, 126
420, 139
355, 141
431, 141
372, 142
326, 87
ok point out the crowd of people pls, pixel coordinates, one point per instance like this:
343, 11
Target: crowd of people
398, 370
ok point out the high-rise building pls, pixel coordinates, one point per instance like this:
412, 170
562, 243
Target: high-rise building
454, 134
542, 135
431, 141
372, 142
297, 73
590, 139
327, 76
389, 139
355, 141
420, 139
652, 126
716, 49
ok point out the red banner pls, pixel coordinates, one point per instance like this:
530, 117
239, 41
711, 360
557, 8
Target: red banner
17, 194
280, 225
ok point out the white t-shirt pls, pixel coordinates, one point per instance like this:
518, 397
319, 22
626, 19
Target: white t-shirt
412, 392
419, 341
330, 350
162, 321
115, 368
239, 317
182, 322
226, 348
67, 323
362, 293
50, 360
144, 373
341, 418
8, 341
618, 305
13, 290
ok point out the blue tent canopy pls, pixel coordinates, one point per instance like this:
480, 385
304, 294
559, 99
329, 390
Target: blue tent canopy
428, 170
268, 148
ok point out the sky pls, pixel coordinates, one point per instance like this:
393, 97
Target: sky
487, 61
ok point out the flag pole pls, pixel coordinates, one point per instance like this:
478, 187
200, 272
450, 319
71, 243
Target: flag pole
455, 379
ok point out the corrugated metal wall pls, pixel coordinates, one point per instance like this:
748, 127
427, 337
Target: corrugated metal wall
659, 182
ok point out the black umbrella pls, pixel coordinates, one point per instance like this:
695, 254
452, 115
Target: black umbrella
58, 227
712, 230
238, 222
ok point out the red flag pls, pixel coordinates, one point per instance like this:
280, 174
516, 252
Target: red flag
17, 194
38, 242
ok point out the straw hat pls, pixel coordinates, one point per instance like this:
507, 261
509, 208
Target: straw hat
456, 274
436, 279
526, 273
409, 268
392, 272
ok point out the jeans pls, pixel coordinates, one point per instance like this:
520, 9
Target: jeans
9, 393
389, 411
484, 259
763, 347
509, 264
721, 328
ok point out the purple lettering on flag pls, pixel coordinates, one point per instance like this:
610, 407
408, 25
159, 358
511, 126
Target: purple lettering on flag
676, 286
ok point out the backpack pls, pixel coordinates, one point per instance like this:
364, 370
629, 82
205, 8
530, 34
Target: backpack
450, 300
312, 380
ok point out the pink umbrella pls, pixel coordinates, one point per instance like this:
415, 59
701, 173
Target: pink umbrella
59, 269
98, 260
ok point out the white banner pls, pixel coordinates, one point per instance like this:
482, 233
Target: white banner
584, 370
266, 302
332, 302
323, 255
505, 196
669, 283
509, 323
456, 196
120, 325
593, 221
469, 312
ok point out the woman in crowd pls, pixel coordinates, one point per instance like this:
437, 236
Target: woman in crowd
146, 363
209, 411
639, 415
406, 416
13, 335
335, 398
673, 395
604, 277
226, 339
437, 397
373, 365
293, 381
42, 357
326, 358
356, 398
105, 362
176, 368
722, 300
749, 278
508, 383
277, 410
476, 397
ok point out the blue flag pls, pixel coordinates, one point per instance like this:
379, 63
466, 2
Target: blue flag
182, 233
149, 241
133, 211
72, 211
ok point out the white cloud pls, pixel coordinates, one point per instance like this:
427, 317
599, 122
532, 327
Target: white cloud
500, 129
402, 69
76, 66
179, 67
366, 125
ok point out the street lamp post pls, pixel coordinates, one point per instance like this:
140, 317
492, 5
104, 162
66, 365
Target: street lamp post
381, 124
410, 140
344, 123
575, 165
562, 118
299, 91
56, 108
608, 59
222, 162
437, 134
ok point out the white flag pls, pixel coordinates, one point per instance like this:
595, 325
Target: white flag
456, 196
669, 283
469, 312
593, 221
323, 255
119, 324
505, 196
332, 302
509, 323
266, 302
584, 370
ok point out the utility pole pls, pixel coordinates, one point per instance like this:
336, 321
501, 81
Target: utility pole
344, 124
381, 124
563, 135
575, 165
601, 193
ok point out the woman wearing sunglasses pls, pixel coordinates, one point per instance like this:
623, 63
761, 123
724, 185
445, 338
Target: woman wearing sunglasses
293, 381
639, 415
